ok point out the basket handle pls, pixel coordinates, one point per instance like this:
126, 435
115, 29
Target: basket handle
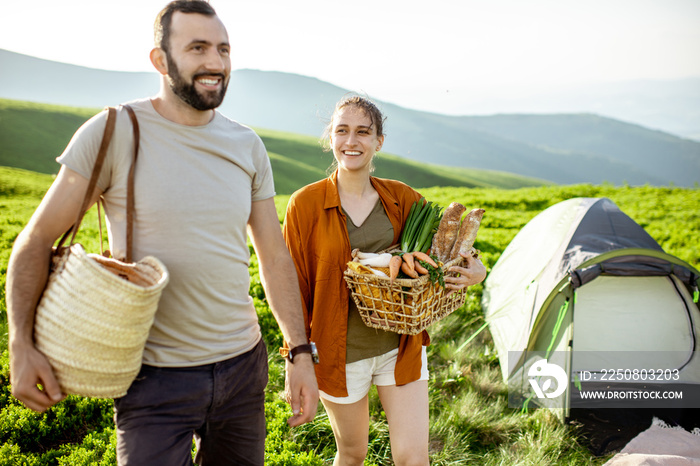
99, 162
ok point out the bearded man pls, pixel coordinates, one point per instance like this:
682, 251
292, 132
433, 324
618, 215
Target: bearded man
203, 184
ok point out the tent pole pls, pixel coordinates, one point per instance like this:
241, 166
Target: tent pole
464, 345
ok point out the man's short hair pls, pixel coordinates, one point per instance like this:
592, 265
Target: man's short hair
161, 28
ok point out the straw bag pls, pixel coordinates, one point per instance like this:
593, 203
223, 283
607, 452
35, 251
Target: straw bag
95, 313
406, 306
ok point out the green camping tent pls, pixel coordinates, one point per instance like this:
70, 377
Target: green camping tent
584, 287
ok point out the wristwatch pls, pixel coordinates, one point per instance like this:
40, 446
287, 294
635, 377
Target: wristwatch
310, 348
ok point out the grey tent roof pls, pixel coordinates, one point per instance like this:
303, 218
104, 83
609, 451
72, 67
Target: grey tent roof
551, 246
602, 228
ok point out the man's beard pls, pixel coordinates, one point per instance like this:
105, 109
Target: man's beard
187, 92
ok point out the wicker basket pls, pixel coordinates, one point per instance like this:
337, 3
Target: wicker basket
94, 317
407, 306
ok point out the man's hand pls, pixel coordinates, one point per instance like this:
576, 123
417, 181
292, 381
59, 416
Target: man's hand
29, 369
301, 390
279, 278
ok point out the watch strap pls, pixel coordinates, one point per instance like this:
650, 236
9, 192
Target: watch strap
300, 349
307, 348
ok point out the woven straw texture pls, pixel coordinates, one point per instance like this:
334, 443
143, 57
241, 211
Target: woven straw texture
408, 306
94, 317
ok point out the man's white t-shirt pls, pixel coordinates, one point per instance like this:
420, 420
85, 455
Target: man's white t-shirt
194, 186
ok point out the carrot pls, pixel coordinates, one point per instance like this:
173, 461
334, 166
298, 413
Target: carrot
405, 268
394, 267
420, 269
424, 257
409, 260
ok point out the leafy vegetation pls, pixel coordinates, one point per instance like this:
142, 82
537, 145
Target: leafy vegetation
470, 418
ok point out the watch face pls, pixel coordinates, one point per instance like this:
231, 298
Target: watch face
314, 353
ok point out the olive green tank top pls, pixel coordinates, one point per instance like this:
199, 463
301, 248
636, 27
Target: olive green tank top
375, 234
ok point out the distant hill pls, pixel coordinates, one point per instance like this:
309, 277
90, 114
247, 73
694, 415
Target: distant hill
32, 135
581, 148
669, 105
588, 139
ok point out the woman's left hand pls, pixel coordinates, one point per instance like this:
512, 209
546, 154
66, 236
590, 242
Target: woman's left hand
472, 273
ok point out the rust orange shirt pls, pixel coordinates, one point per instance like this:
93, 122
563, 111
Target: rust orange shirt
317, 237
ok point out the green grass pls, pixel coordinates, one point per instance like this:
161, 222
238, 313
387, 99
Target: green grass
470, 419
33, 135
20, 194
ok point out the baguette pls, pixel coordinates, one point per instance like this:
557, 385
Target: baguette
467, 233
447, 231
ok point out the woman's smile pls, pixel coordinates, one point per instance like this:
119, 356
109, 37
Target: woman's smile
354, 140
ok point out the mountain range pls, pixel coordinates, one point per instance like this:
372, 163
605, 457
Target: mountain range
33, 134
560, 148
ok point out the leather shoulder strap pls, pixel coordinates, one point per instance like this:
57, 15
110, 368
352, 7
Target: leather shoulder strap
99, 162
92, 183
130, 187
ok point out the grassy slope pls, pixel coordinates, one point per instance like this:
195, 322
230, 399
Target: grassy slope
470, 420
33, 135
304, 161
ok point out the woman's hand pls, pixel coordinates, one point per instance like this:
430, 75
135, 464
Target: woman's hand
472, 273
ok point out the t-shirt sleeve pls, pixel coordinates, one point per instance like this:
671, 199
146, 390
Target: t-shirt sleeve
81, 152
263, 182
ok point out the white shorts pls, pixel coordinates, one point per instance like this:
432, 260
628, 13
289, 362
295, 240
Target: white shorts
379, 370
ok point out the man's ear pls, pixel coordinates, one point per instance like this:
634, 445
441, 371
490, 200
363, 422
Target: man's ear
159, 60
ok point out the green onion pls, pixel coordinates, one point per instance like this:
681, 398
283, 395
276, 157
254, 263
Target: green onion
421, 224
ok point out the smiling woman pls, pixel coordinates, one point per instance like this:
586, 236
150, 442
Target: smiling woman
355, 131
324, 222
354, 139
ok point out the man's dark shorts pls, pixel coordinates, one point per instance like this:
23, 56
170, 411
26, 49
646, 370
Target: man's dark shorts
222, 405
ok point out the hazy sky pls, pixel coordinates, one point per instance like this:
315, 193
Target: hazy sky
431, 54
